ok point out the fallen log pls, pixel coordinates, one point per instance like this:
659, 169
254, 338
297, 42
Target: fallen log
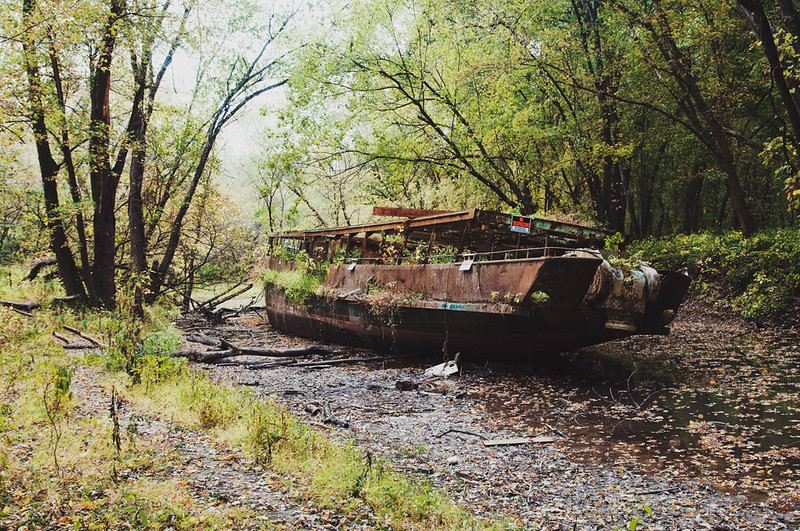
261, 351
205, 357
39, 265
26, 306
203, 339
65, 301
87, 337
338, 361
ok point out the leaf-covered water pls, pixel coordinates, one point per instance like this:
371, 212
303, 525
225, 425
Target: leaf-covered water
716, 400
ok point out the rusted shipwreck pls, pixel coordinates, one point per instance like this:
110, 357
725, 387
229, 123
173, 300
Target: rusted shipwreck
473, 281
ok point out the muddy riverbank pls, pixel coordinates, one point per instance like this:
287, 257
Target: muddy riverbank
696, 430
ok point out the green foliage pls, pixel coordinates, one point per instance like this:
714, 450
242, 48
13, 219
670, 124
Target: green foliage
300, 282
527, 127
761, 274
540, 297
613, 243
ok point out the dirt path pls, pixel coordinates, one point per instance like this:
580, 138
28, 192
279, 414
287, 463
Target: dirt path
220, 478
604, 468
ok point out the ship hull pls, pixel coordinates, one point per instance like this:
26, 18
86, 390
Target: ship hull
511, 309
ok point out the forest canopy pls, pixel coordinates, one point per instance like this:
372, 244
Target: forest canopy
647, 117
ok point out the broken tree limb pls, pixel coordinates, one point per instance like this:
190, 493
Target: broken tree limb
225, 296
87, 337
233, 295
65, 301
22, 312
203, 339
316, 408
454, 430
39, 265
26, 306
65, 343
338, 361
261, 351
290, 352
205, 357
61, 338
511, 441
557, 431
331, 419
77, 346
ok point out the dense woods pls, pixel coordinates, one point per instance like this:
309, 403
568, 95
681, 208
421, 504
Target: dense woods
125, 171
647, 117
133, 133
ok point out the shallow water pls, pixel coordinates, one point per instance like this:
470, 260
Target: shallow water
727, 412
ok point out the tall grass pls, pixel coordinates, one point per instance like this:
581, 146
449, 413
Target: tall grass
62, 466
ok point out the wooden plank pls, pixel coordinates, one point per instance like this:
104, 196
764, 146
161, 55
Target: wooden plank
425, 221
512, 441
395, 212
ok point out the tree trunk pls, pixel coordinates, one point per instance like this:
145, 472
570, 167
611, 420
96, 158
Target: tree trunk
72, 178
104, 180
67, 268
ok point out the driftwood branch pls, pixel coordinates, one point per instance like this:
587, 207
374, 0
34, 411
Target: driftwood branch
232, 295
61, 338
67, 344
215, 301
22, 312
315, 408
26, 306
39, 265
208, 308
211, 356
87, 337
323, 363
64, 301
465, 432
513, 441
238, 350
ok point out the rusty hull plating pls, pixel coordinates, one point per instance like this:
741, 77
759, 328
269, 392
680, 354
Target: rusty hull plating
501, 297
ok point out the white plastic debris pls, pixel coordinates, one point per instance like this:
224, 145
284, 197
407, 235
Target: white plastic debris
443, 369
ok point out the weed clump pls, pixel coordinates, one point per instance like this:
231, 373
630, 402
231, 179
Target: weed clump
299, 282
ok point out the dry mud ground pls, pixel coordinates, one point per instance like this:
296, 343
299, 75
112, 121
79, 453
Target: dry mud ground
614, 456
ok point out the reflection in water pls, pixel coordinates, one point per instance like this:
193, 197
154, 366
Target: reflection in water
727, 413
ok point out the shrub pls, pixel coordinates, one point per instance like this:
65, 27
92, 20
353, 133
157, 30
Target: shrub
301, 282
761, 273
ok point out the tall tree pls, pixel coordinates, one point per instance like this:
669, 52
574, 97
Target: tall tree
246, 80
67, 267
